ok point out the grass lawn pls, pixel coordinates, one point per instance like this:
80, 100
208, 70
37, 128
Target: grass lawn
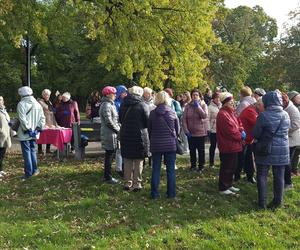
68, 207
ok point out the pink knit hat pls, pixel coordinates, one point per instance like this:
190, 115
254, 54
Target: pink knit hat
109, 90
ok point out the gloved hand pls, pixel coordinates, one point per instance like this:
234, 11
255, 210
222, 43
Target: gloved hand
38, 129
196, 104
66, 112
243, 135
31, 133
188, 135
10, 124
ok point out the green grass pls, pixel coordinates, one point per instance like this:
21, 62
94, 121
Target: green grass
68, 207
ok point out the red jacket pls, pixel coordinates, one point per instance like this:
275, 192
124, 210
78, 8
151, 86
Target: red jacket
229, 130
67, 113
248, 118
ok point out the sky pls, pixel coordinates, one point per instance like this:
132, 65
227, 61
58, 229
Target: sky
278, 9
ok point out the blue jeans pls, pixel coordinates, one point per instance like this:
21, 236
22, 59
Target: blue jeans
278, 184
29, 156
169, 159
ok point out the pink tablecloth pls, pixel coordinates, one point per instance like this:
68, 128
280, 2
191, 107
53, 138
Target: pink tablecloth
56, 137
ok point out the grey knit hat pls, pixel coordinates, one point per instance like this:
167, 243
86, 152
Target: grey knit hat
292, 94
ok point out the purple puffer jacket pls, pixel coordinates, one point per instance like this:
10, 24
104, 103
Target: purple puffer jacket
161, 138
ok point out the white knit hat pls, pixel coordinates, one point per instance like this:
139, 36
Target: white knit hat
25, 91
225, 97
136, 90
67, 95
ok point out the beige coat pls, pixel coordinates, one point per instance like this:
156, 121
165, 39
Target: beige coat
49, 115
5, 140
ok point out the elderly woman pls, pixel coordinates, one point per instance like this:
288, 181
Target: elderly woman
195, 128
271, 130
5, 141
134, 115
49, 111
248, 118
213, 110
163, 130
186, 98
230, 134
246, 99
109, 130
67, 111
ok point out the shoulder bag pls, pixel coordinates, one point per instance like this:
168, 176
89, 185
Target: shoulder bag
264, 147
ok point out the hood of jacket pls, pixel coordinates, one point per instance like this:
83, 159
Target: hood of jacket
106, 99
29, 99
161, 109
131, 100
272, 98
120, 89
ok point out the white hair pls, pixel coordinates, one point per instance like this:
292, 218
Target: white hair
162, 97
148, 90
46, 91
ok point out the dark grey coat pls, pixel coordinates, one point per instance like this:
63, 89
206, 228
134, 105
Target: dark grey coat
109, 124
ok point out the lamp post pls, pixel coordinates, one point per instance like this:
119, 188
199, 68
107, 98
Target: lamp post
26, 44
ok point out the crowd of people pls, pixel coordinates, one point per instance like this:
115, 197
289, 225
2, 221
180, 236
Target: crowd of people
259, 131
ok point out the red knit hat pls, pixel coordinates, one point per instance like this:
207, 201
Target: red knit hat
109, 90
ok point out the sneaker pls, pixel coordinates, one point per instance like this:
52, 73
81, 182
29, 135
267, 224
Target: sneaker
112, 181
251, 180
234, 189
288, 187
176, 167
227, 192
3, 173
212, 165
200, 169
37, 172
193, 169
126, 188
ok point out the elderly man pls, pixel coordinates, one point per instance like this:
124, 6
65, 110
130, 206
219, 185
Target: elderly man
148, 99
32, 120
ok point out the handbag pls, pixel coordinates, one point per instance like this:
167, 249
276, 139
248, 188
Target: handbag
179, 142
264, 147
15, 123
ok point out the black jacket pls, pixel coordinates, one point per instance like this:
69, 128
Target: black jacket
134, 115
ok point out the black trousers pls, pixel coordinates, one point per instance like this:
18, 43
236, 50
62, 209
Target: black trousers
2, 154
212, 148
229, 162
295, 160
246, 163
40, 148
288, 168
108, 158
197, 144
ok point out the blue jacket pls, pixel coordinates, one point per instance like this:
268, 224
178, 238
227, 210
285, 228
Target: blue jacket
269, 120
162, 121
120, 89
